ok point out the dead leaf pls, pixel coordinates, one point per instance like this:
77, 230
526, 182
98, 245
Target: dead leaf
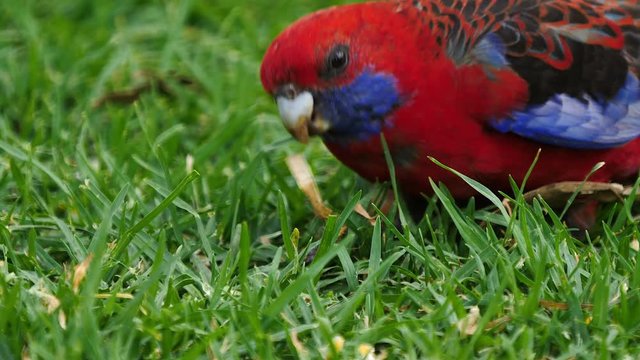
80, 272
469, 324
50, 302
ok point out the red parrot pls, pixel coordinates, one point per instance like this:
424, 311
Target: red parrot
480, 85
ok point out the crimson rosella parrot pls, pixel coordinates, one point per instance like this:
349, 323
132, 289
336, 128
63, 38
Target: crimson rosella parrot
480, 85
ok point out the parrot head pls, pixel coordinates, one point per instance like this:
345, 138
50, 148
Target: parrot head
340, 72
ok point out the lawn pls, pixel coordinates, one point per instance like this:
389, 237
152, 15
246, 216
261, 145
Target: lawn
147, 211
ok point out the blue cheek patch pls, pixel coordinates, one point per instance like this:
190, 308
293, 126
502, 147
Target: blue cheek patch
586, 123
360, 109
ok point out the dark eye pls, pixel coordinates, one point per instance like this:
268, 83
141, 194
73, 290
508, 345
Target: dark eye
336, 62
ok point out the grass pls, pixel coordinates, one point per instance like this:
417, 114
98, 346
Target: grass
172, 228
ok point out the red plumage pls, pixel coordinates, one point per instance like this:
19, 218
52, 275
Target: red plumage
451, 91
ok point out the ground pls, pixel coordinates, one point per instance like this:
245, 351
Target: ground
147, 211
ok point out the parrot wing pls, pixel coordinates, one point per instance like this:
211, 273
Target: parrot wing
580, 59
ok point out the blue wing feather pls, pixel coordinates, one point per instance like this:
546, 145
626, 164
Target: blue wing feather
586, 123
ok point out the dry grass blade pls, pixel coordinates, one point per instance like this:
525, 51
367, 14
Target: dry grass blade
553, 305
557, 194
301, 172
129, 96
360, 210
498, 323
126, 296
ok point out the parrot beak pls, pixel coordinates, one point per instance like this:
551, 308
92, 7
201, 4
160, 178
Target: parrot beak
298, 115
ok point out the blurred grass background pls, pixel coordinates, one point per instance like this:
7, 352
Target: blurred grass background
155, 229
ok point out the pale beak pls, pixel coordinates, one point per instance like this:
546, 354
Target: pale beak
297, 113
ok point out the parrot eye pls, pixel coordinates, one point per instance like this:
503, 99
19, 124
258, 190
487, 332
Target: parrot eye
336, 61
